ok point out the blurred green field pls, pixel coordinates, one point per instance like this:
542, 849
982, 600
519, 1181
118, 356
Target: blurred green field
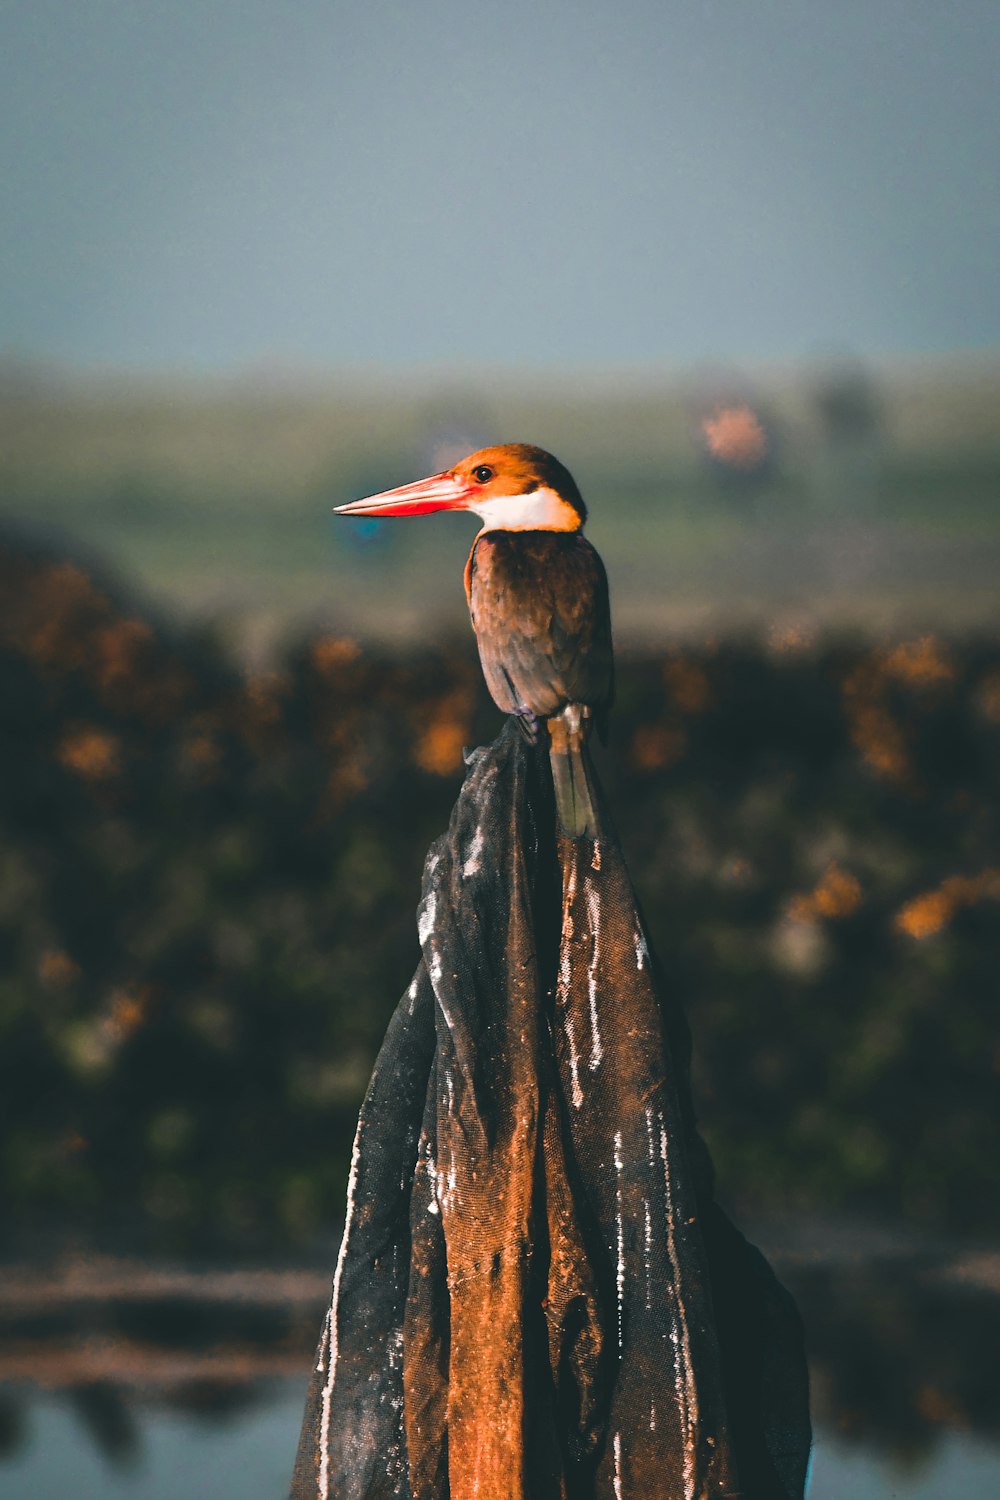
874, 504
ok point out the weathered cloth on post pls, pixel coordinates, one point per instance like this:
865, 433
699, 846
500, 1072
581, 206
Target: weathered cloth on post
536, 1298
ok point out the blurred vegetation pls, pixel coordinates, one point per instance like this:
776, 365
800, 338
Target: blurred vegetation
208, 880
866, 498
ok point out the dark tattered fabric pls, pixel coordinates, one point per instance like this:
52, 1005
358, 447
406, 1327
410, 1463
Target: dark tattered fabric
536, 1298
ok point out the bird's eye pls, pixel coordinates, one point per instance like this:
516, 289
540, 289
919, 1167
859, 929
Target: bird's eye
483, 474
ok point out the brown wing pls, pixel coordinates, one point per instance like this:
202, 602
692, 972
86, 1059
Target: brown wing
539, 605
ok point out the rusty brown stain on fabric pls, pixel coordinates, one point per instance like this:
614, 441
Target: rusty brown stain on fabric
536, 1297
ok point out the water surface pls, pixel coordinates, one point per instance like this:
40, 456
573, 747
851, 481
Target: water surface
248, 1455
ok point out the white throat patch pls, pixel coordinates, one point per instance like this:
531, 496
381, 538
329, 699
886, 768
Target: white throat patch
538, 510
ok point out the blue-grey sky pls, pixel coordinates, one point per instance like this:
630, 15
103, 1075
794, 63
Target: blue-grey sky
213, 183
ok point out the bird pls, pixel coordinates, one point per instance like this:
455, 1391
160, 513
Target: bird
538, 599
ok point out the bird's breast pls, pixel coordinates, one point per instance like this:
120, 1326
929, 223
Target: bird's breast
538, 602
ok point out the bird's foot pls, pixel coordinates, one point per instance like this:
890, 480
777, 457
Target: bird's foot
527, 723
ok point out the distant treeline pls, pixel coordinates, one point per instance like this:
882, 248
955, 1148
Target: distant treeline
208, 884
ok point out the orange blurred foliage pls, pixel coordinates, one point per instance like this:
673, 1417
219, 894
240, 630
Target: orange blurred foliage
128, 1009
56, 616
440, 745
940, 1409
203, 753
988, 698
837, 894
59, 607
57, 969
875, 733
90, 752
259, 710
331, 652
687, 684
931, 911
920, 662
735, 435
264, 692
791, 636
657, 746
118, 652
345, 781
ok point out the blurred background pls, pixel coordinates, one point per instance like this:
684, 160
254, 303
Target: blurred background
736, 266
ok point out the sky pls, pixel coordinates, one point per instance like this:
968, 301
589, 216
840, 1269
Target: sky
213, 185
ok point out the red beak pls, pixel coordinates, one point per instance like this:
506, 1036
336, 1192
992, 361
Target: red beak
439, 492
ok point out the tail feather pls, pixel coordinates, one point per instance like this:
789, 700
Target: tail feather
570, 776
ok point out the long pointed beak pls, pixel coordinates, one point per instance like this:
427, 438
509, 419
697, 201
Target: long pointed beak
439, 492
